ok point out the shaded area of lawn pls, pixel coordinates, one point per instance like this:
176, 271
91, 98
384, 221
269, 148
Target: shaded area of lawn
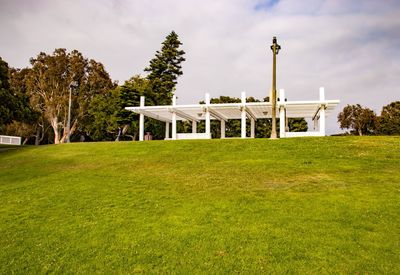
307, 205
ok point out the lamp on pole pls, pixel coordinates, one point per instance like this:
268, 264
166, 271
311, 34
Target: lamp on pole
275, 50
71, 86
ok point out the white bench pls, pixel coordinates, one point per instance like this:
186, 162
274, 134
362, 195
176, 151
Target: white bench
192, 136
303, 134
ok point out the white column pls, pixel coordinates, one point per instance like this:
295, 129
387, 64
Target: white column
208, 122
173, 118
141, 121
194, 127
322, 111
322, 94
282, 119
253, 128
243, 122
222, 128
166, 130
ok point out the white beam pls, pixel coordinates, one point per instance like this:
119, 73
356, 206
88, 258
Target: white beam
222, 128
173, 126
322, 94
322, 112
253, 128
141, 121
208, 122
243, 116
166, 130
243, 97
282, 119
282, 96
173, 118
322, 122
194, 126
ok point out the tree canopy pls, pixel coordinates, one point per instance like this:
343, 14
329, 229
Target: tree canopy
358, 119
8, 100
49, 82
164, 70
389, 120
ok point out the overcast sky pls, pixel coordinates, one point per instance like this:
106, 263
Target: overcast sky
352, 48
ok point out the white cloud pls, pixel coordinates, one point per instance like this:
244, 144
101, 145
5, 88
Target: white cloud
350, 47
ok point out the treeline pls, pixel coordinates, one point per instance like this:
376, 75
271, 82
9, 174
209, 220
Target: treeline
35, 100
361, 120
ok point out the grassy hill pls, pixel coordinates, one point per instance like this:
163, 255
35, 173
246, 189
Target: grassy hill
307, 205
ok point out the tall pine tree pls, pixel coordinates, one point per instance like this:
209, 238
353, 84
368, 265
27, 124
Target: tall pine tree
164, 70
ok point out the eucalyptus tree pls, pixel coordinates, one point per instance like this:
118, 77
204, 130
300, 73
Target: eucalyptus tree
357, 119
53, 77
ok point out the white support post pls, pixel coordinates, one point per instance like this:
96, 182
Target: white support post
194, 127
208, 122
167, 130
322, 111
141, 121
253, 128
174, 118
222, 128
282, 129
243, 121
282, 119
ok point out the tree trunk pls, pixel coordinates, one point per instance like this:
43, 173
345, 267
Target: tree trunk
25, 141
73, 128
43, 132
37, 138
125, 129
54, 125
359, 132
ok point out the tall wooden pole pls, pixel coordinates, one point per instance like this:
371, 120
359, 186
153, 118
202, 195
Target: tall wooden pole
275, 49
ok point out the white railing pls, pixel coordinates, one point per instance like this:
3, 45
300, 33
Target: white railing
10, 140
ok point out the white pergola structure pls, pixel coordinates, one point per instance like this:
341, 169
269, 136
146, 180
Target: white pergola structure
317, 110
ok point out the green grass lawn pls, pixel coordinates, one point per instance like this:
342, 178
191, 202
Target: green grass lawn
304, 205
